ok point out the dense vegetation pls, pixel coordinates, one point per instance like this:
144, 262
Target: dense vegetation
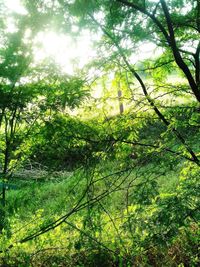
102, 167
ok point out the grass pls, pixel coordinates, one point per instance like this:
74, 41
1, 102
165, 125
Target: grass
142, 223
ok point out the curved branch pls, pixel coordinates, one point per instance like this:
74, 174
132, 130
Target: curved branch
177, 56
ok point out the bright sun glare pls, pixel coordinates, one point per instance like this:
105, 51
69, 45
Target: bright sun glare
69, 54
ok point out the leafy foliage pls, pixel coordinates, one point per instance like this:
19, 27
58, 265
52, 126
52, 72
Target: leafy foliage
116, 182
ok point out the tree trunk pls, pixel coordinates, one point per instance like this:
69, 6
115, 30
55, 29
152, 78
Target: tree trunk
121, 105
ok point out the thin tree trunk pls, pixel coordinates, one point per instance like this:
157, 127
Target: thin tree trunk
121, 105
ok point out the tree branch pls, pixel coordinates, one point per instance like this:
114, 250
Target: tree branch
144, 89
170, 37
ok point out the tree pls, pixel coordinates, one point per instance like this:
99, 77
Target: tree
30, 94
